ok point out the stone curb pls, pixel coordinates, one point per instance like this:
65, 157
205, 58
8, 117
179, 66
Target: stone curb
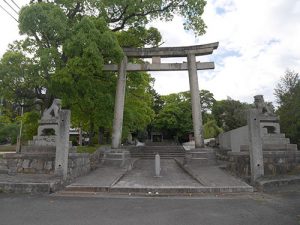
267, 185
158, 190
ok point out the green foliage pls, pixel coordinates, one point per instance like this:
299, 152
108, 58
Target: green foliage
138, 102
230, 114
288, 97
120, 14
30, 125
66, 45
211, 129
47, 21
9, 132
139, 37
175, 116
86, 149
18, 80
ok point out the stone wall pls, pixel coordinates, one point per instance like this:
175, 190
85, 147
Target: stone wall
234, 139
35, 163
78, 164
275, 163
43, 163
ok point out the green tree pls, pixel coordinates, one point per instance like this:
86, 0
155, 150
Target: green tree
230, 114
175, 116
211, 129
30, 125
68, 42
287, 93
138, 111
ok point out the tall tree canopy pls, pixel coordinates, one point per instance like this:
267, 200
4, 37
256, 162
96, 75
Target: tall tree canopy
175, 115
287, 93
230, 114
68, 42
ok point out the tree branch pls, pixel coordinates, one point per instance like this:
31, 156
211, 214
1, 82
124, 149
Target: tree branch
143, 14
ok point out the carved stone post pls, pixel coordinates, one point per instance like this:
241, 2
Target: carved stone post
119, 105
255, 147
62, 144
195, 97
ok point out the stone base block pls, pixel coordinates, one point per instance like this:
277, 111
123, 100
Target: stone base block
116, 157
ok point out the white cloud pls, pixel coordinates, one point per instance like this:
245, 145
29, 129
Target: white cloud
258, 42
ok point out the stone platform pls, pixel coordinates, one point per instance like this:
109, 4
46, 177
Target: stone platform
174, 180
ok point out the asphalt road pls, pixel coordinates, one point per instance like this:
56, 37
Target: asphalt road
260, 209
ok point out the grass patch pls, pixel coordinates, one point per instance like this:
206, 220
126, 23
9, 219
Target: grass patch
86, 149
7, 148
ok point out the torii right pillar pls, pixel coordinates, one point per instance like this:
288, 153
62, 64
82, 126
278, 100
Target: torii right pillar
195, 98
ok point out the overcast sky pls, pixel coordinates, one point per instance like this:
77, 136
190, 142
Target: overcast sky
258, 41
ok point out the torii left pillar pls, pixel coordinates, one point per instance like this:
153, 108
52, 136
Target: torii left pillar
119, 106
195, 98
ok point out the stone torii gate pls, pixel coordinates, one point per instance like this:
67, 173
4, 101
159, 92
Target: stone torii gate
156, 54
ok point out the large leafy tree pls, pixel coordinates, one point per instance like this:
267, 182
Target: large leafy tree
175, 116
68, 42
287, 93
138, 103
230, 114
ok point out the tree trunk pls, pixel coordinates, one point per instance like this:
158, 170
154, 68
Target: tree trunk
91, 133
101, 136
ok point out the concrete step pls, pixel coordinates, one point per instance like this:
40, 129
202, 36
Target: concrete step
275, 140
197, 154
274, 135
165, 152
158, 191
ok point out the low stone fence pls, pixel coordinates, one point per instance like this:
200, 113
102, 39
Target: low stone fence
43, 163
275, 163
35, 163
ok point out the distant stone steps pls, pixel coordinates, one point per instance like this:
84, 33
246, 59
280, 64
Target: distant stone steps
165, 152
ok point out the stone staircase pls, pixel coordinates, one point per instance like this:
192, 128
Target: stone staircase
165, 152
274, 142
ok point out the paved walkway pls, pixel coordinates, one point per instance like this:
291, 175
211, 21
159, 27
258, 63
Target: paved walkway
174, 179
143, 175
104, 176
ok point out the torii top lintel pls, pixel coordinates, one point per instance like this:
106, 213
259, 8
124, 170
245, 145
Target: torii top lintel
182, 51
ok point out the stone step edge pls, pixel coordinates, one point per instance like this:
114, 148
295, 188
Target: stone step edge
207, 189
265, 185
30, 187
